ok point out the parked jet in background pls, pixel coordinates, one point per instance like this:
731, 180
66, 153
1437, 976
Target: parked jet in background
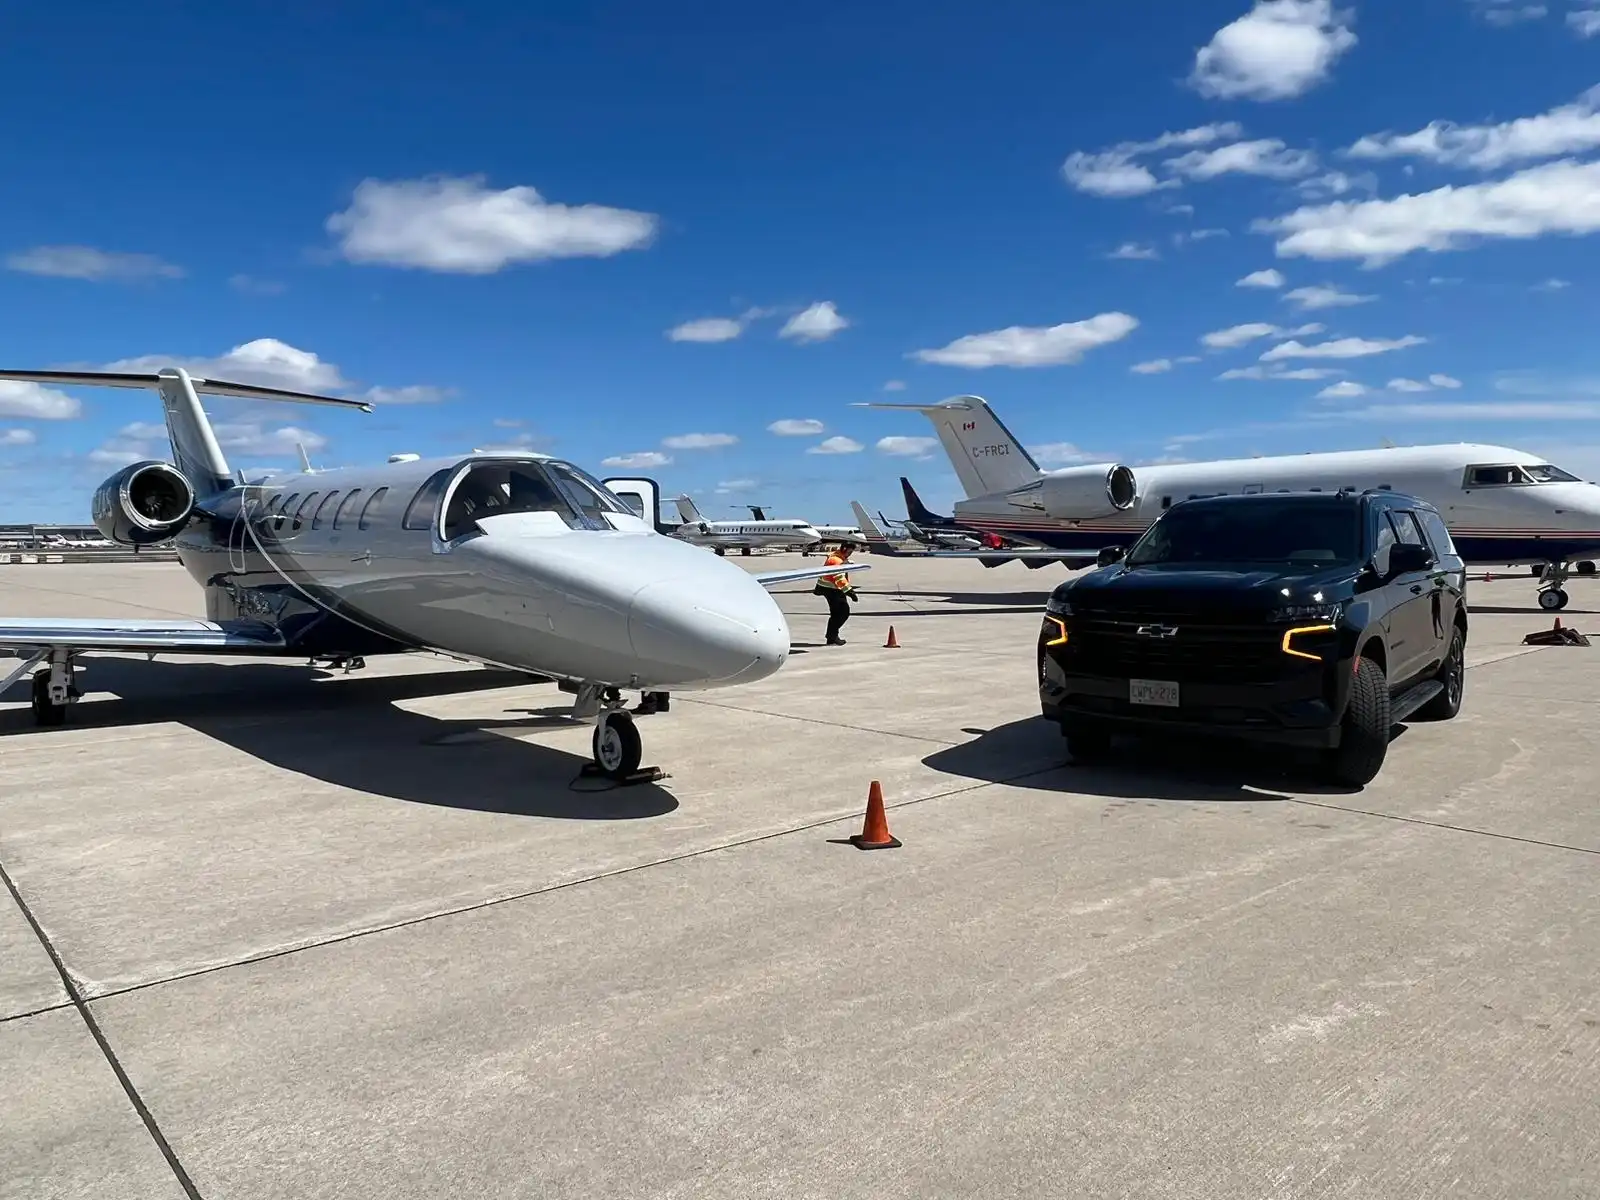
1501, 506
518, 561
830, 533
744, 536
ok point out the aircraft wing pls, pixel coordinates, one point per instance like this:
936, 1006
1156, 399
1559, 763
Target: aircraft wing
136, 633
1076, 559
773, 578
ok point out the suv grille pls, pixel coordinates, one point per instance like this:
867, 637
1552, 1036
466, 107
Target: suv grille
1200, 651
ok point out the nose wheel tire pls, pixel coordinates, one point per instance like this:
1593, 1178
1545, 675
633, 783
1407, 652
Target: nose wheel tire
1552, 599
617, 746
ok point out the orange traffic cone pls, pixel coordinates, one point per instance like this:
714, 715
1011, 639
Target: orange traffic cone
893, 643
875, 833
1557, 625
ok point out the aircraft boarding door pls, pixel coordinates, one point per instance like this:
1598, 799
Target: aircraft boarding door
641, 497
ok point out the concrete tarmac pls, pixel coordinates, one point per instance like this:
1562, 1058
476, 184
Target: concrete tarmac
276, 934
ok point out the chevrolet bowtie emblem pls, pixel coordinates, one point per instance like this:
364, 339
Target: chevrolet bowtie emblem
1160, 631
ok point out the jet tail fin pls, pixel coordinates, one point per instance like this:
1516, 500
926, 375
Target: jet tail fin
305, 459
916, 510
877, 543
195, 450
985, 455
686, 509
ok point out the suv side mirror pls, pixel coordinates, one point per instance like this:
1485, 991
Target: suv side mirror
1405, 557
1109, 555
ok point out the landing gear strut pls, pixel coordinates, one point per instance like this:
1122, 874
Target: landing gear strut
616, 746
54, 689
1552, 597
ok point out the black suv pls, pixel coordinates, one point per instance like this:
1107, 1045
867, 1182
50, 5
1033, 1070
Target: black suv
1309, 619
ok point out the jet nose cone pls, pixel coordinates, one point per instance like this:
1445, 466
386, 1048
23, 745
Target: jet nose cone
708, 637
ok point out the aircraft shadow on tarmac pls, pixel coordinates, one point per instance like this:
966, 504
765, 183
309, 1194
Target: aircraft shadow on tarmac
1193, 769
351, 732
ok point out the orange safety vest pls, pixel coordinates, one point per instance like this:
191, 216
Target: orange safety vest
841, 581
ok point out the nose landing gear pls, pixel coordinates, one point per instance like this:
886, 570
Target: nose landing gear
1552, 596
616, 746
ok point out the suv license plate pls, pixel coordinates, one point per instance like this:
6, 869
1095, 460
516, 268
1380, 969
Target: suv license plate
1153, 691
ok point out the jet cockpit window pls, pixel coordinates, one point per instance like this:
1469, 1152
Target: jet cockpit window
1496, 475
587, 494
493, 489
1545, 473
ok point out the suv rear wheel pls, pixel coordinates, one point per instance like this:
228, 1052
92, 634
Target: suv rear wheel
1364, 736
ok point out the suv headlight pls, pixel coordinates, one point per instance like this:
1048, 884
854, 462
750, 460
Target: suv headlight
1307, 614
1057, 608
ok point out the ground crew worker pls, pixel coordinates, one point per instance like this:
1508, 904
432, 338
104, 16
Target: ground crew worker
836, 588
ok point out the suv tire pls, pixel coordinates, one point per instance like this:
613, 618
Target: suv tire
1364, 738
1087, 742
1452, 675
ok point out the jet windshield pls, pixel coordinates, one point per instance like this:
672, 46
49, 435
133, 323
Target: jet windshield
1510, 474
1314, 532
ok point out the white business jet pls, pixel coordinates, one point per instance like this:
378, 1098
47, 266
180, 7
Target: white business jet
744, 536
519, 561
1501, 506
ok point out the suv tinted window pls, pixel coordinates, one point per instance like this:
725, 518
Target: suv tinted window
1405, 524
1438, 533
1311, 531
1386, 539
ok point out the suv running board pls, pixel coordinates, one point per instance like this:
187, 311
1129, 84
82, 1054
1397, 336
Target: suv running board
1413, 698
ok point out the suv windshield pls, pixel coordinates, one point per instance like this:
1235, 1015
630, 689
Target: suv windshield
1313, 532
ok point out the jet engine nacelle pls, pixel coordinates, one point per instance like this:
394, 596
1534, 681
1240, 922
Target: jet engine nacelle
1082, 493
142, 504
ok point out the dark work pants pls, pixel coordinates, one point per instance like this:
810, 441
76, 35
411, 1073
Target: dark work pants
838, 611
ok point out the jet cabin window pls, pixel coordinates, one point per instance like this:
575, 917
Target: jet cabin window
419, 513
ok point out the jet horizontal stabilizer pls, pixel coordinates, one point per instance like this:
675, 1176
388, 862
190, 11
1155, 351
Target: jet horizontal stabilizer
212, 387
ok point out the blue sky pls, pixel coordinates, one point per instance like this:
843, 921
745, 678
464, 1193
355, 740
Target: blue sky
497, 215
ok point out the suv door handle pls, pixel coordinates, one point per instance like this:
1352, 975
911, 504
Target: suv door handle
1416, 589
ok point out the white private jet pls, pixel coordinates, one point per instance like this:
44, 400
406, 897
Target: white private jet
744, 536
830, 533
1501, 506
519, 561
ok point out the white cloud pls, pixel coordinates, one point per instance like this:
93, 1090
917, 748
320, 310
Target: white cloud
906, 447
1350, 347
1257, 371
1239, 335
1504, 13
1324, 296
815, 324
1336, 183
728, 486
836, 445
460, 226
1585, 22
1197, 235
1024, 346
416, 393
1133, 250
85, 262
1553, 285
796, 427
1058, 454
1267, 157
1576, 410
1154, 367
1270, 278
1278, 50
250, 286
1567, 129
252, 440
1113, 173
37, 402
1559, 197
643, 458
1417, 385
895, 385
1339, 391
509, 423
698, 441
17, 437
707, 329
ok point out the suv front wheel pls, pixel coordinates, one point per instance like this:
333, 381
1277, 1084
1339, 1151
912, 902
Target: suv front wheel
1364, 732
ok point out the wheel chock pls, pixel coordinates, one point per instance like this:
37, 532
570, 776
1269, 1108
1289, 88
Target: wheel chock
875, 833
1556, 635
